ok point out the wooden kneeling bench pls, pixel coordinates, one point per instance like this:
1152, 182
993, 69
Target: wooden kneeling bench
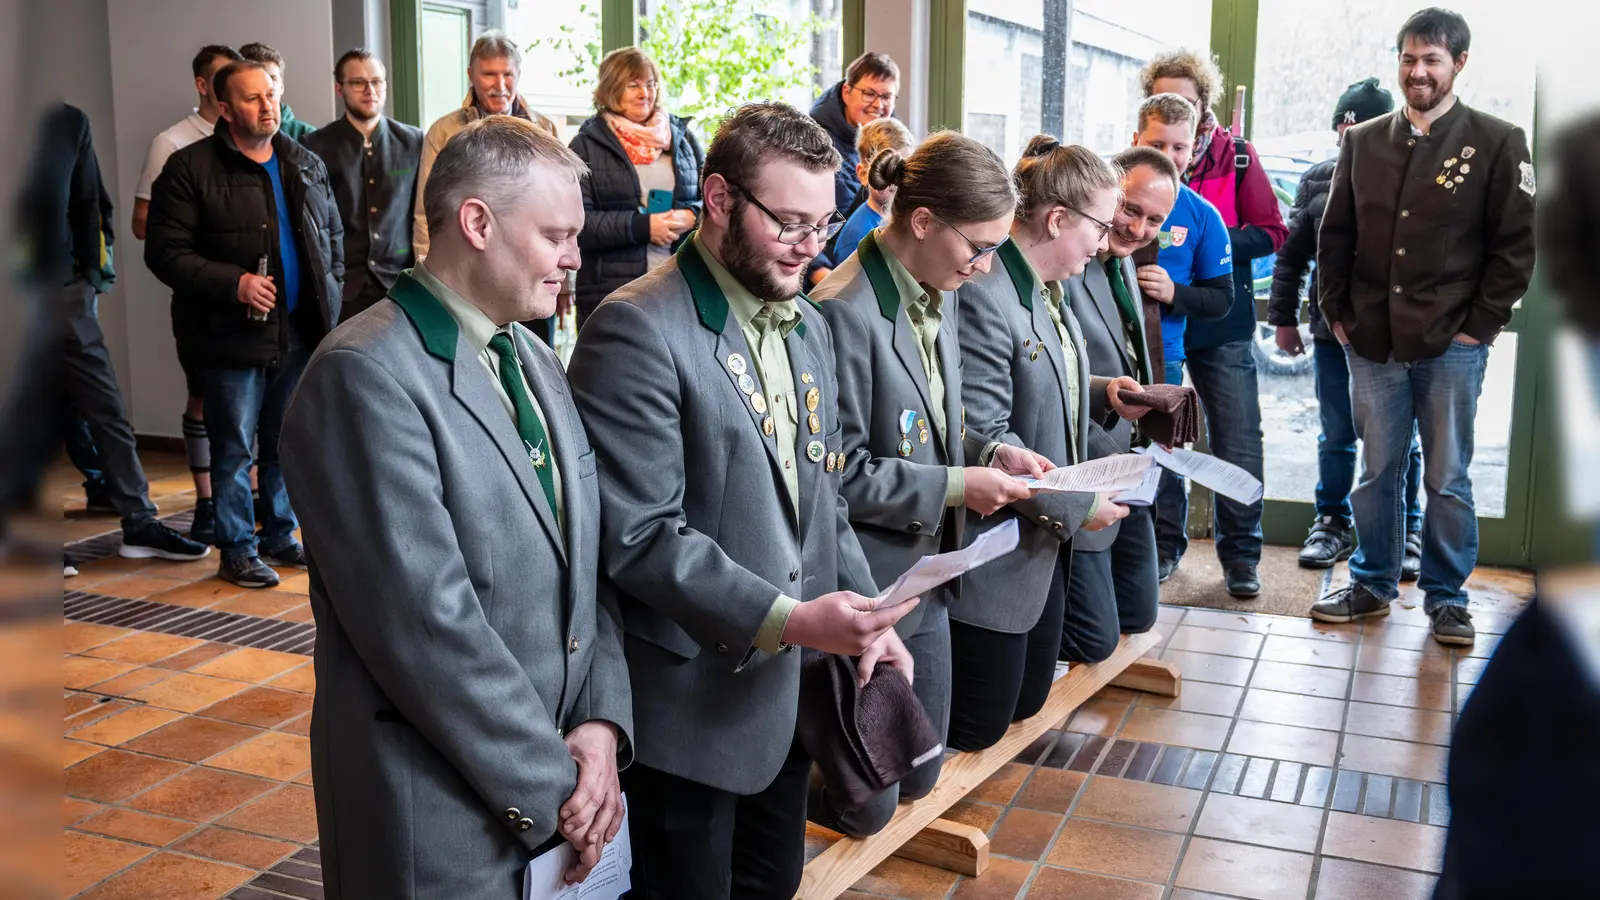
917, 833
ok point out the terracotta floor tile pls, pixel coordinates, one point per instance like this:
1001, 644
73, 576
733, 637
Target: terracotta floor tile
190, 570
1484, 646
125, 725
1001, 881
264, 707
1051, 790
303, 679
236, 847
1025, 834
1298, 627
1210, 667
272, 755
1419, 762
1181, 728
116, 775
1102, 717
76, 637
1116, 850
75, 810
117, 564
89, 858
251, 665
144, 647
74, 702
173, 877
1384, 841
188, 692
80, 672
259, 603
1394, 634
1186, 894
1469, 670
100, 709
74, 752
1227, 621
201, 594
193, 739
1002, 786
1060, 884
1138, 803
125, 684
1199, 697
300, 726
1241, 870
1340, 879
1215, 640
299, 613
198, 656
1301, 710
900, 878
1297, 679
1308, 652
1399, 723
1412, 692
304, 778
289, 813
1284, 826
137, 826
201, 794
1433, 661
982, 816
1305, 745
137, 586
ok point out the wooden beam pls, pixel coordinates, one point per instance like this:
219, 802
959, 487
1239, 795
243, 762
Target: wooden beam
963, 849
837, 868
1153, 676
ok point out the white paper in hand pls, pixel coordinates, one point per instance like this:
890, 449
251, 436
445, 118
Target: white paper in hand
1145, 493
932, 571
1109, 473
1225, 478
543, 879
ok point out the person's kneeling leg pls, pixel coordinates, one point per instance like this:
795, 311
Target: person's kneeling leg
1089, 623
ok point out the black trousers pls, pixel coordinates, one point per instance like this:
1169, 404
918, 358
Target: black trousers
1111, 592
997, 679
90, 387
695, 842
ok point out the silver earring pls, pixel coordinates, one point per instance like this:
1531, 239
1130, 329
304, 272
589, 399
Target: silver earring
1054, 233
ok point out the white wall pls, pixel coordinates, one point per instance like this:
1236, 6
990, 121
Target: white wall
151, 87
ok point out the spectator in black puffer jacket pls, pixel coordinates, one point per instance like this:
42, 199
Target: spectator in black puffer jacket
633, 147
224, 208
1332, 536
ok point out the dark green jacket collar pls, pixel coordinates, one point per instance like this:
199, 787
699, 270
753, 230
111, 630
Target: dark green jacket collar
1020, 271
434, 323
878, 274
709, 300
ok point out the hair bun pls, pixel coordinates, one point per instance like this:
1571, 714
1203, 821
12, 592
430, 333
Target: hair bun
887, 170
1040, 144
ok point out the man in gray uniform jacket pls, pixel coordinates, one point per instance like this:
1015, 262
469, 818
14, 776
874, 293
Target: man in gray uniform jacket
472, 704
708, 387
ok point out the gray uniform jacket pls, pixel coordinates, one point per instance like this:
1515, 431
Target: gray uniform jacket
1089, 297
1015, 387
897, 503
699, 532
459, 633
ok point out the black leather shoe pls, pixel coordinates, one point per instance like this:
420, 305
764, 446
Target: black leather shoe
153, 540
247, 571
1411, 564
1329, 542
1348, 604
1165, 568
292, 555
1243, 582
204, 526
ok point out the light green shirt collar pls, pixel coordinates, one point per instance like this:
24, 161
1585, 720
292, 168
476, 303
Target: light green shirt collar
475, 325
744, 304
916, 296
1051, 288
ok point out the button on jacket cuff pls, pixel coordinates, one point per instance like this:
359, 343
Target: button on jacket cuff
770, 637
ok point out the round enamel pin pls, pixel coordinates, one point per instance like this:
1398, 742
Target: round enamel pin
737, 365
747, 384
813, 397
814, 451
758, 402
905, 447
922, 435
767, 428
814, 423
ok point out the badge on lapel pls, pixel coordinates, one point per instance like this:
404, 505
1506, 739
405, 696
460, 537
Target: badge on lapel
1527, 185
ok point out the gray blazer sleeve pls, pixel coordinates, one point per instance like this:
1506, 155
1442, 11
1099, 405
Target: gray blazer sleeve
607, 695
886, 492
629, 393
407, 602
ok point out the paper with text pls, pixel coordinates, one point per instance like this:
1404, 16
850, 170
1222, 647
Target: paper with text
1109, 473
543, 879
932, 571
1144, 494
1225, 478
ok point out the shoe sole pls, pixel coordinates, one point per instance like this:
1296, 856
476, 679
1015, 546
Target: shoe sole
1454, 641
283, 564
1340, 620
1408, 578
1242, 595
248, 584
127, 552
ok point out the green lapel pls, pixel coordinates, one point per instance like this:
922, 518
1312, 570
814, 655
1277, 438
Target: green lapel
878, 274
1021, 274
434, 323
709, 301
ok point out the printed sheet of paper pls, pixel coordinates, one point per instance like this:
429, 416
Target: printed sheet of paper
932, 571
1225, 478
1109, 473
543, 878
1145, 493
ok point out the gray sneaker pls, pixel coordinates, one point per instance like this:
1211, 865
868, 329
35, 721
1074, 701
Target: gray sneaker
1453, 625
1348, 604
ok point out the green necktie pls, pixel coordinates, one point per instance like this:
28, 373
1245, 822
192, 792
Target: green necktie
528, 426
1130, 313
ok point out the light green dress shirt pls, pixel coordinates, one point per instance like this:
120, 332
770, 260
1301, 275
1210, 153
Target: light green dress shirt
765, 325
923, 305
478, 329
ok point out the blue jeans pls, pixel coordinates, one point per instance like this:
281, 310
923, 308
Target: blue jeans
245, 406
1439, 398
1336, 445
1225, 378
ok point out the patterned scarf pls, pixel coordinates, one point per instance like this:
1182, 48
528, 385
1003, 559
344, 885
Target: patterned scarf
1202, 144
645, 142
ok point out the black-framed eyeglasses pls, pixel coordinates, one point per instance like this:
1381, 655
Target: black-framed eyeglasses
873, 97
363, 84
979, 250
792, 232
1105, 227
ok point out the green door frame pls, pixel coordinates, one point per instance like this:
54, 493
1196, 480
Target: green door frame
405, 60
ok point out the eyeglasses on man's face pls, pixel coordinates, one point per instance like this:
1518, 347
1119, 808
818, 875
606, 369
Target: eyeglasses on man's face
362, 85
793, 232
979, 251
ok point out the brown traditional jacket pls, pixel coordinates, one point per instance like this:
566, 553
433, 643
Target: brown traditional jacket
1426, 236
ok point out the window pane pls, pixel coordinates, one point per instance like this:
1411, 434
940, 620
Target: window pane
1023, 78
445, 42
561, 49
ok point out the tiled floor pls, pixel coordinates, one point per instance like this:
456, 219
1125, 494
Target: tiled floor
1301, 761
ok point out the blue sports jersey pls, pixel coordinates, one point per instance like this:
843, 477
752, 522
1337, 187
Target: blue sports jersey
1194, 247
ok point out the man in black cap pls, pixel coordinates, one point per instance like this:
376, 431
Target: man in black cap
1333, 536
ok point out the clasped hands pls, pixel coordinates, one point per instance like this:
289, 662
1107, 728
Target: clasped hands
592, 816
